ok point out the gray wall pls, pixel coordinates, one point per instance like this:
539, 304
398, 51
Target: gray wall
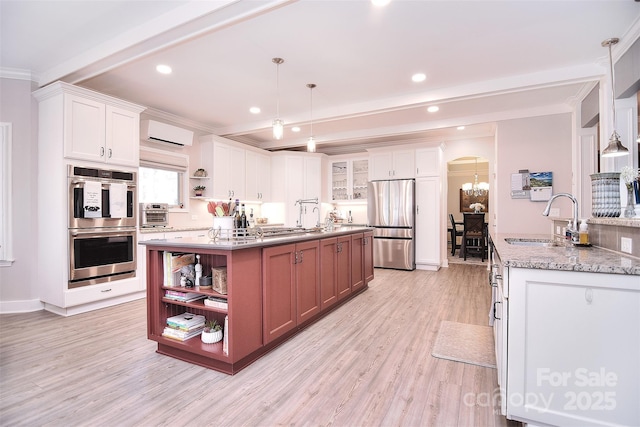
18, 282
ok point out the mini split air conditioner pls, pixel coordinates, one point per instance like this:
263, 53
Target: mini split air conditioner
154, 131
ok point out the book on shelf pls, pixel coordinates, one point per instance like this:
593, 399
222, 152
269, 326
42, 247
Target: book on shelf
186, 319
216, 302
225, 336
185, 328
181, 335
183, 296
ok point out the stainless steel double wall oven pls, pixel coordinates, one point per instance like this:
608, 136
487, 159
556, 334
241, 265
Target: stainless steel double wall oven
102, 225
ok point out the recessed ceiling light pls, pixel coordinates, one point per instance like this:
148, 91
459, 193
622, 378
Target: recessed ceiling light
419, 77
433, 109
254, 110
460, 127
295, 129
163, 69
380, 3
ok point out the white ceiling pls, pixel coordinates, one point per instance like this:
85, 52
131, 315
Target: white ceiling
484, 61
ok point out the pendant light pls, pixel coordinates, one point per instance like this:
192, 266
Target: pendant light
278, 125
477, 188
311, 143
615, 147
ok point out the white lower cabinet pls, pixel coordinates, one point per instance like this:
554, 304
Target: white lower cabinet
573, 348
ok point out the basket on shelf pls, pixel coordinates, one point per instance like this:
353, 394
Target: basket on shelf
219, 279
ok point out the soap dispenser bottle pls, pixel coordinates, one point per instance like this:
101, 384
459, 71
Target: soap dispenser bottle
584, 233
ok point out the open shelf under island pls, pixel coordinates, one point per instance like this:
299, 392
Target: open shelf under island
276, 287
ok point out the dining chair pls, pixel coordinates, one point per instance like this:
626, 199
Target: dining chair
474, 235
455, 233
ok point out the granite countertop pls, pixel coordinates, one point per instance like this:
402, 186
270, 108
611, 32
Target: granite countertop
149, 230
562, 257
251, 242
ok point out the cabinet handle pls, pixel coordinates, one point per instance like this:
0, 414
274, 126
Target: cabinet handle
339, 248
101, 151
110, 152
295, 258
106, 290
301, 258
417, 209
494, 310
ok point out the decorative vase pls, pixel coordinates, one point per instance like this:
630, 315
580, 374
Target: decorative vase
211, 337
629, 211
605, 194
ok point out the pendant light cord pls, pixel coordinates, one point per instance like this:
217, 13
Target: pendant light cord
613, 88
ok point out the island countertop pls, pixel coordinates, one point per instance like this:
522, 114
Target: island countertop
562, 257
252, 241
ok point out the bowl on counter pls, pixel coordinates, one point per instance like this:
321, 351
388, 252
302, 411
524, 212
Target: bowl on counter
262, 221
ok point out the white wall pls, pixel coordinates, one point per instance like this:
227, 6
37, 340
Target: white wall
539, 144
18, 291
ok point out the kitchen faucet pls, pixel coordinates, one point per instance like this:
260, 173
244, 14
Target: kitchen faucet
302, 202
318, 221
574, 230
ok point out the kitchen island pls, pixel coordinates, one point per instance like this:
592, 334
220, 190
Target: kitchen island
567, 331
275, 287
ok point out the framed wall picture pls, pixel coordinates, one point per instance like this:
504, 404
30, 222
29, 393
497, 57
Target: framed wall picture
466, 201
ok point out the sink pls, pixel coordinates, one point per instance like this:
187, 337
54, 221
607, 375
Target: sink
531, 242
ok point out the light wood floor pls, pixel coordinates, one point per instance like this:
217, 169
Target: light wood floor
368, 363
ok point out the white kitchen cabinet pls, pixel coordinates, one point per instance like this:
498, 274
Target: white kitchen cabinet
294, 177
392, 164
68, 116
99, 132
349, 180
573, 348
258, 176
427, 224
228, 172
428, 162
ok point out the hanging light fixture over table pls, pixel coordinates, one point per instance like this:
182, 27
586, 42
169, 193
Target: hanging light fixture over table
476, 188
615, 147
278, 125
311, 143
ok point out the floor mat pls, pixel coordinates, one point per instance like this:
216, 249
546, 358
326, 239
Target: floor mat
465, 343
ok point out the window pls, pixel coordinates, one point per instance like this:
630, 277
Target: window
160, 186
6, 254
161, 177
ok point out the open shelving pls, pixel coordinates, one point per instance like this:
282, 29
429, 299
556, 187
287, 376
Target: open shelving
244, 308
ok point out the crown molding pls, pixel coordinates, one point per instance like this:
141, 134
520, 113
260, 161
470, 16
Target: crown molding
17, 74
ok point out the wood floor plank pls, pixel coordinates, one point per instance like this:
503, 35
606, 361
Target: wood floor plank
367, 363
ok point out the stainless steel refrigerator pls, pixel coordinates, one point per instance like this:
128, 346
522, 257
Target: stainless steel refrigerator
391, 211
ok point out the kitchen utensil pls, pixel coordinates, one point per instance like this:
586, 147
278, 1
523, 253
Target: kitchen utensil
219, 211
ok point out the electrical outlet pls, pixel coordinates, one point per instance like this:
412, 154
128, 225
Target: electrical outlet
554, 212
625, 245
194, 217
558, 229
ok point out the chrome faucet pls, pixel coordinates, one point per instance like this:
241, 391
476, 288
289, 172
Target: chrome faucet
318, 221
574, 231
302, 202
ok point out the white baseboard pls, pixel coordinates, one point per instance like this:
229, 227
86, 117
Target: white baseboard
22, 306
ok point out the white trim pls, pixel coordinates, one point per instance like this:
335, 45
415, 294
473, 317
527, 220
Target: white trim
17, 74
23, 306
6, 240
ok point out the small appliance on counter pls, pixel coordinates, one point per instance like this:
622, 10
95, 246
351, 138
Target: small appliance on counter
154, 215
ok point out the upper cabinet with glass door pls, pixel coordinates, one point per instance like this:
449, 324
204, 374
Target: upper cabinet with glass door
349, 179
